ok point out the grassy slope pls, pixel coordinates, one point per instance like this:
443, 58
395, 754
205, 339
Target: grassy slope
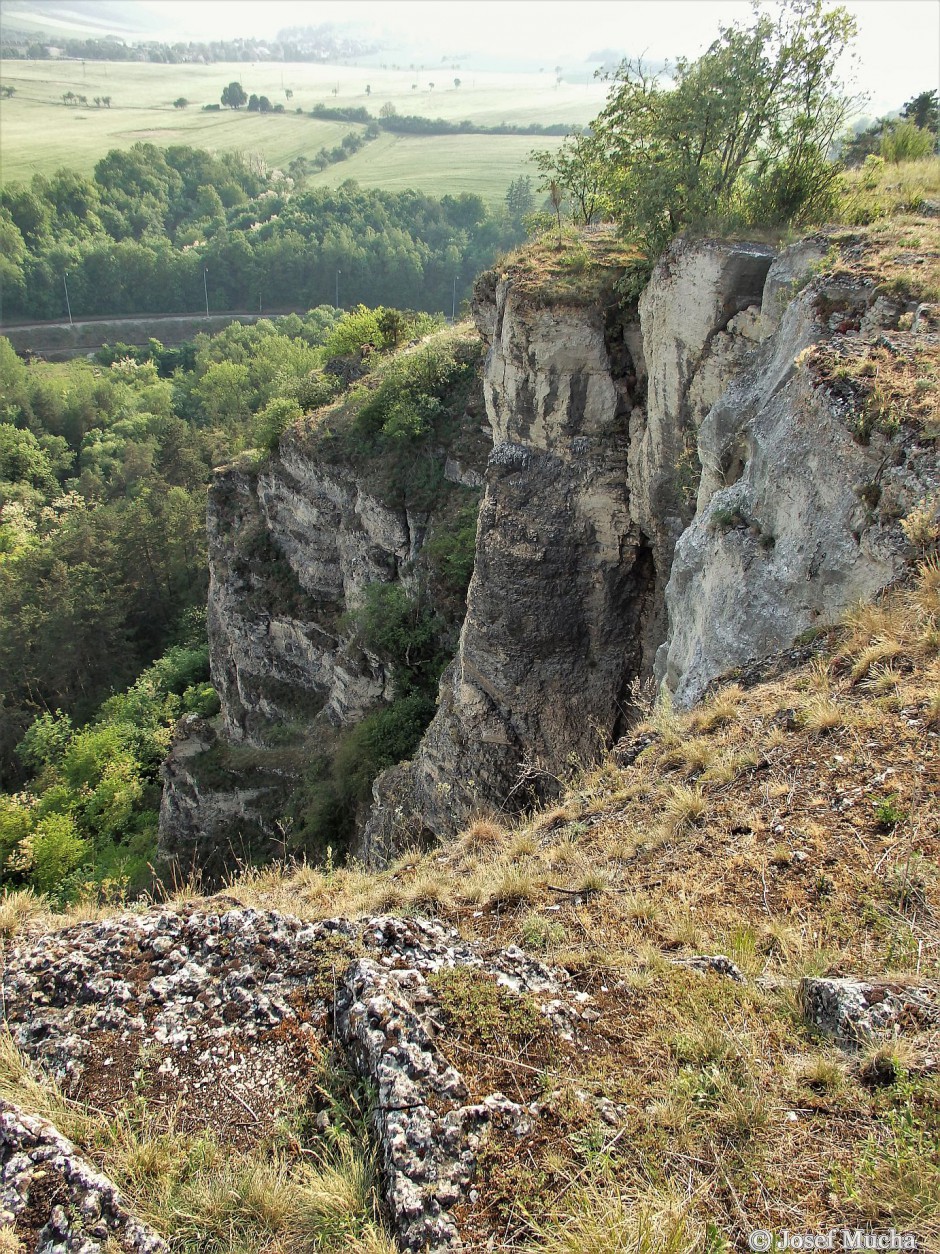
439, 164
39, 134
793, 826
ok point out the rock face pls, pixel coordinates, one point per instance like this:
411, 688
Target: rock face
591, 417
784, 539
293, 544
563, 581
222, 1013
673, 490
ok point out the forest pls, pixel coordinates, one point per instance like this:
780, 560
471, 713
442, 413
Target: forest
103, 567
165, 230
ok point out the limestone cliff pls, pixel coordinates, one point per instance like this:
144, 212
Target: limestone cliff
675, 487
799, 504
294, 542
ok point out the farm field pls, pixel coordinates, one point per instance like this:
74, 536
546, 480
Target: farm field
440, 164
38, 133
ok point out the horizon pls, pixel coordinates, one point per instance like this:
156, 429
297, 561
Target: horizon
896, 53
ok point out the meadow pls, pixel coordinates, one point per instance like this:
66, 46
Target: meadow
38, 133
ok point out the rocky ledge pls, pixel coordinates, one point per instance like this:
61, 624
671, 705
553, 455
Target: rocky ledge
224, 1016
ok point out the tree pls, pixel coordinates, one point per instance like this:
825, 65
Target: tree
557, 195
388, 110
254, 104
923, 111
456, 82
264, 104
581, 167
908, 138
519, 199
368, 89
741, 135
288, 93
234, 96
180, 102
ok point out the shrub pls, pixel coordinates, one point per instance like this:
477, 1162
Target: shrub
906, 142
271, 422
55, 852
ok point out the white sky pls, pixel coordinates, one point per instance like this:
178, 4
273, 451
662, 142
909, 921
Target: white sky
898, 44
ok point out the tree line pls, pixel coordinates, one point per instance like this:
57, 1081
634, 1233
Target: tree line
319, 44
155, 230
389, 119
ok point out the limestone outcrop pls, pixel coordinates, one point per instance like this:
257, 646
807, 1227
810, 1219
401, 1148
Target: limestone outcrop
219, 1013
593, 412
798, 513
293, 543
675, 489
53, 1197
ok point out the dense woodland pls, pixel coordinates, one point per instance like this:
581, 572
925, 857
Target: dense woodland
103, 472
154, 229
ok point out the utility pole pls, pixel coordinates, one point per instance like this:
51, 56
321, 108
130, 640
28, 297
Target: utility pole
205, 286
68, 306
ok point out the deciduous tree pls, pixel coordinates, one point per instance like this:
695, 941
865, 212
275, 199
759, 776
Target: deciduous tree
234, 96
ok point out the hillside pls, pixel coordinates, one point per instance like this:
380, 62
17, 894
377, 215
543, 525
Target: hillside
511, 819
39, 134
663, 1100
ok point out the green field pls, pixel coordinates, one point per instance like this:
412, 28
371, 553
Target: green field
439, 164
38, 133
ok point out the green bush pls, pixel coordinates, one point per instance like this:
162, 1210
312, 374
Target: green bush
408, 401
89, 818
56, 851
201, 699
906, 142
358, 328
451, 551
401, 631
271, 422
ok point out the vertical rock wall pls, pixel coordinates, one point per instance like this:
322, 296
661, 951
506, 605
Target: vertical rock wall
670, 490
591, 416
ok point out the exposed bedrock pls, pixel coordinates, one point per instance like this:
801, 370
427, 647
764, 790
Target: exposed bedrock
673, 490
583, 506
797, 517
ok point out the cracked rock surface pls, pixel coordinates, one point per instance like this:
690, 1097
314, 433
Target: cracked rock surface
48, 1190
226, 1012
854, 1011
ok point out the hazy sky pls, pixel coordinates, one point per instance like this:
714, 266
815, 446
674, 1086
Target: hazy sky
898, 44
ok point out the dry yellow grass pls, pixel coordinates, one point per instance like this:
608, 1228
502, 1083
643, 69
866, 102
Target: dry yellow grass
772, 853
